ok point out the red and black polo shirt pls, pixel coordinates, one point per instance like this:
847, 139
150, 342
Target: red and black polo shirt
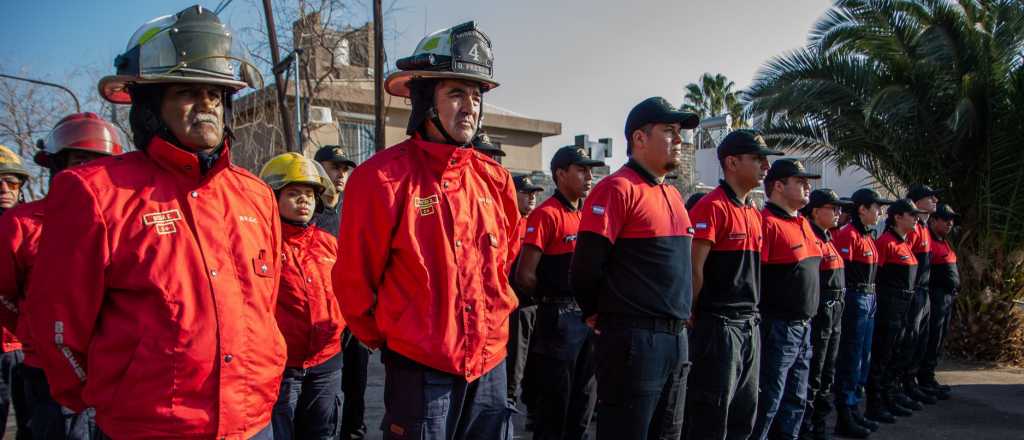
552, 228
897, 265
790, 255
633, 257
857, 248
944, 268
832, 270
732, 271
920, 240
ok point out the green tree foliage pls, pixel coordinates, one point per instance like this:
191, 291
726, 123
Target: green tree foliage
714, 96
927, 91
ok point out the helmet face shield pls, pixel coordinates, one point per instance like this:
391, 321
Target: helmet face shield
192, 46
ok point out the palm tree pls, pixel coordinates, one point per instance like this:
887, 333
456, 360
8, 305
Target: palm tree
713, 96
926, 91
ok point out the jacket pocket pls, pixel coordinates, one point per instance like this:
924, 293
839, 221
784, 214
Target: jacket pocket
262, 266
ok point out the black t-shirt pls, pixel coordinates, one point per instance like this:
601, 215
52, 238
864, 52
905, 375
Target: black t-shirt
329, 219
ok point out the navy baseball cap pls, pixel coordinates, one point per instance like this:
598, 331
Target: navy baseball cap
867, 196
524, 184
826, 196
784, 168
745, 142
333, 153
573, 155
945, 212
658, 110
919, 191
904, 206
483, 144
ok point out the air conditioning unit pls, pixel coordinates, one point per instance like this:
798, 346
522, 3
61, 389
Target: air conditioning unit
320, 115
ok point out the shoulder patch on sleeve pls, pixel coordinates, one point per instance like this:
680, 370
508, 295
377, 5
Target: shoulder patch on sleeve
701, 226
597, 209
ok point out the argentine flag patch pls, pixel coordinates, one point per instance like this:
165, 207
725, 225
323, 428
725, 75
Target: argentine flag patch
701, 226
597, 210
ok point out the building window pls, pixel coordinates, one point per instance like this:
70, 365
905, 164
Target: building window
357, 139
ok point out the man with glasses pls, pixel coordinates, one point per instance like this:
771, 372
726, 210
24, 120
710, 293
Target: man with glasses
12, 177
722, 400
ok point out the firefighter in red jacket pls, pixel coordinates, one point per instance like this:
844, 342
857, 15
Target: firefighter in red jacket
162, 318
76, 139
12, 178
307, 309
423, 255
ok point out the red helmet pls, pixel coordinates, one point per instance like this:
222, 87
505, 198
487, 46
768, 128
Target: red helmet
80, 131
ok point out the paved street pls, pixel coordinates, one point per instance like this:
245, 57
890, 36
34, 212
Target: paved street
987, 404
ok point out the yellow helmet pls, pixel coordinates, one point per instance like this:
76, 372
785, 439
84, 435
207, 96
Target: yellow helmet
288, 168
10, 163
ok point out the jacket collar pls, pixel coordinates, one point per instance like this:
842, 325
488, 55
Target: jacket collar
824, 235
646, 175
565, 201
182, 162
732, 194
441, 157
290, 229
777, 210
892, 230
858, 225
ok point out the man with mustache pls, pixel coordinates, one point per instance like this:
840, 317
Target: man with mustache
562, 345
631, 278
163, 315
425, 249
790, 256
726, 284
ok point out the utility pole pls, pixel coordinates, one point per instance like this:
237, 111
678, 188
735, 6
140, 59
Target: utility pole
275, 56
378, 75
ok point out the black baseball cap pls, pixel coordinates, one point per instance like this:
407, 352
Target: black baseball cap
657, 110
693, 199
945, 212
573, 155
524, 184
745, 142
919, 191
825, 196
483, 144
333, 153
904, 206
784, 168
868, 196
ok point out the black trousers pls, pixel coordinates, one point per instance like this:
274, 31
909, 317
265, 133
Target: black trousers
47, 419
914, 342
355, 361
889, 322
520, 330
826, 329
564, 351
942, 300
642, 379
723, 385
12, 392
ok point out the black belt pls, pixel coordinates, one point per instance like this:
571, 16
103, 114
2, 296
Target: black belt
864, 288
897, 293
557, 300
661, 325
832, 295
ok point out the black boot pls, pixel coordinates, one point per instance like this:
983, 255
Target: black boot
863, 421
933, 387
916, 393
894, 407
846, 426
905, 401
877, 411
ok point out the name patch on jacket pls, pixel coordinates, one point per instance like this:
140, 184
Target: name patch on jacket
164, 221
426, 204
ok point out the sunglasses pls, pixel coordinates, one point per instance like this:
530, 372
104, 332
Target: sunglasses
12, 183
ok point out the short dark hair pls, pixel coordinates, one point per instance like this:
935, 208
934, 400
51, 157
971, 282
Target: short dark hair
770, 184
629, 140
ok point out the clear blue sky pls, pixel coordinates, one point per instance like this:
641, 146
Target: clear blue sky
581, 63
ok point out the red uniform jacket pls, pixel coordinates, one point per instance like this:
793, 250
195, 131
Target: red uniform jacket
162, 313
20, 228
423, 256
307, 309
